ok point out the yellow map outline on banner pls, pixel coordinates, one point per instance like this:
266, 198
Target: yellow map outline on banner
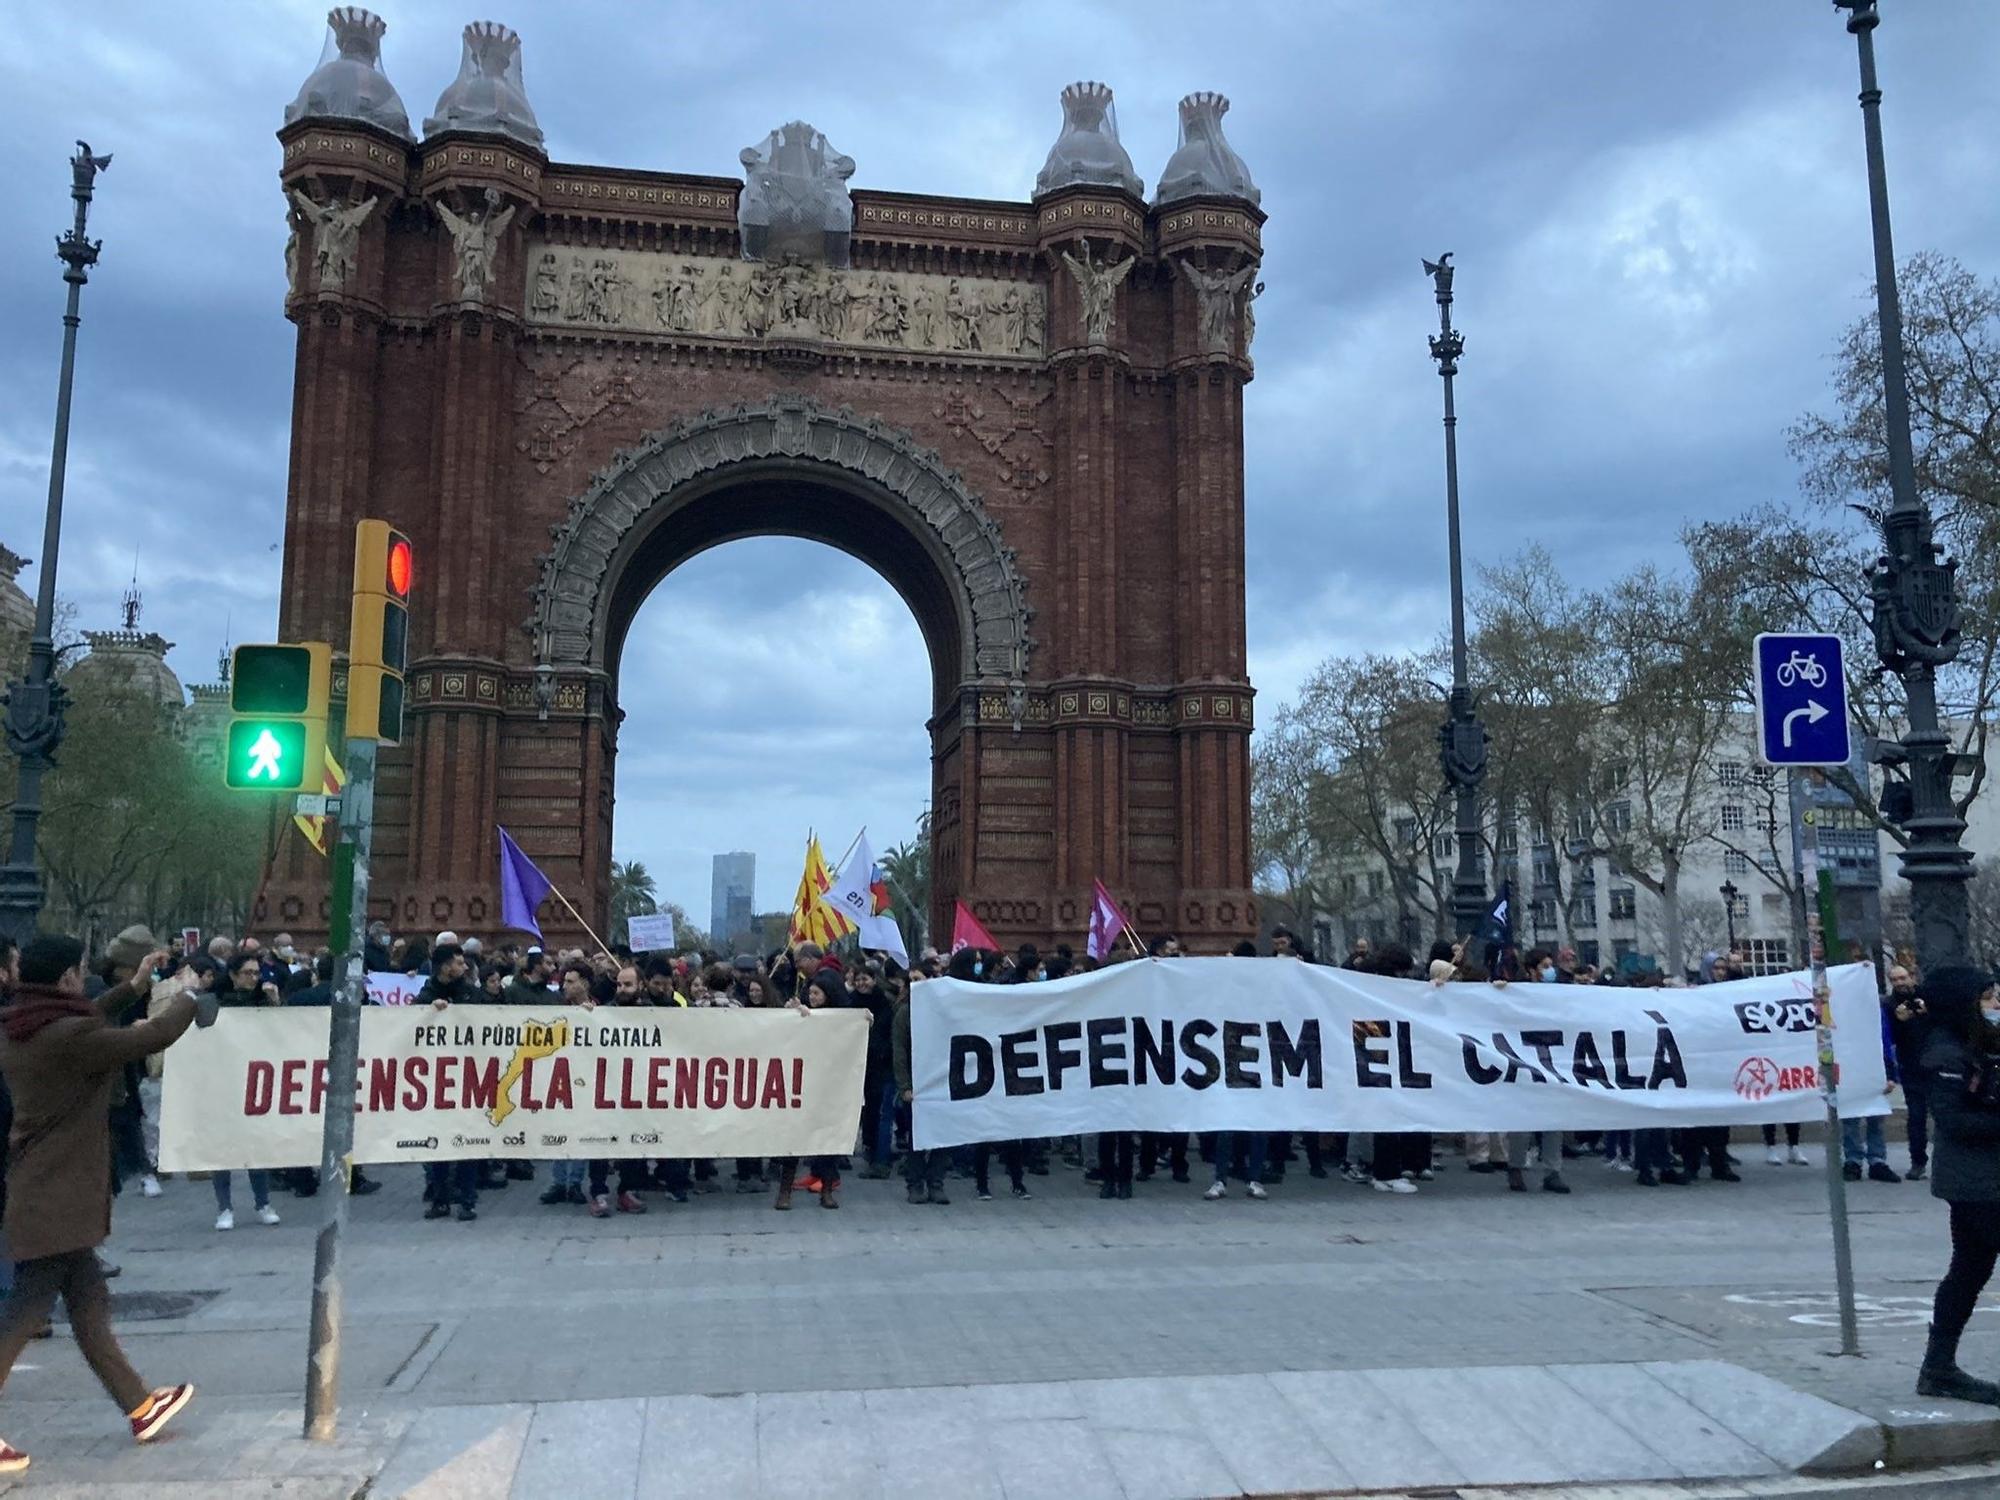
544, 1040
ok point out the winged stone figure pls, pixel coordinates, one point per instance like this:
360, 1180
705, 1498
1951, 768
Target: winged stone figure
1098, 283
475, 242
336, 237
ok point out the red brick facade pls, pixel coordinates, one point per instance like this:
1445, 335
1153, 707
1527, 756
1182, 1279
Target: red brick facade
1064, 514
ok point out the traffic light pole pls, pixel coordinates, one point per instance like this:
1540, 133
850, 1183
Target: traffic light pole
343, 1051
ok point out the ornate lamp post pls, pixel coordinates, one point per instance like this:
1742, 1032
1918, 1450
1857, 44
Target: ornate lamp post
1916, 614
1461, 738
35, 703
1729, 894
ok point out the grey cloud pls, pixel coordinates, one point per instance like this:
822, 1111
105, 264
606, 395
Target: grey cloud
1659, 214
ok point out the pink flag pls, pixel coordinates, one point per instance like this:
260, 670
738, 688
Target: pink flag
1107, 920
967, 931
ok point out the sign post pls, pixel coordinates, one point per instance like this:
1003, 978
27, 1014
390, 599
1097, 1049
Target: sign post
1801, 688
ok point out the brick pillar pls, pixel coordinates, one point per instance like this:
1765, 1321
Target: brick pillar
340, 426
462, 632
1213, 269
1090, 690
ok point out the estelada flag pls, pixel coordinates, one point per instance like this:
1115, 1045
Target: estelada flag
1107, 921
967, 931
814, 920
319, 831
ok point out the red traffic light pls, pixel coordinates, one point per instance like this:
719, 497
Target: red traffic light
398, 569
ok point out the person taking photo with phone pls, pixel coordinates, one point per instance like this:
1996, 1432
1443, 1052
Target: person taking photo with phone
61, 1055
1962, 1065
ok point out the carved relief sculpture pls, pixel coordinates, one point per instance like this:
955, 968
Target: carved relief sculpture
1218, 295
645, 291
475, 241
1099, 285
336, 238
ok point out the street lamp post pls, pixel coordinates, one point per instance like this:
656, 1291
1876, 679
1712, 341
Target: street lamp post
1729, 894
35, 703
1915, 611
1461, 738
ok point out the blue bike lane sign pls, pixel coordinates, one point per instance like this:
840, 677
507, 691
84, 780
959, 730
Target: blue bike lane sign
1801, 688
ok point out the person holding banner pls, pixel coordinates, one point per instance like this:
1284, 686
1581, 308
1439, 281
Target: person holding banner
1962, 1063
923, 1171
449, 1184
823, 991
243, 986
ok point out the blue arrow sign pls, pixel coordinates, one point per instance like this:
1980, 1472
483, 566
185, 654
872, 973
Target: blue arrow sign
1801, 700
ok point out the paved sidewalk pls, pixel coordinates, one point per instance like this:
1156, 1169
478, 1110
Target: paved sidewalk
1160, 1439
1161, 1347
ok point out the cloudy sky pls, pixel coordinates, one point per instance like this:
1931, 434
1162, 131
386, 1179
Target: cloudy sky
1658, 212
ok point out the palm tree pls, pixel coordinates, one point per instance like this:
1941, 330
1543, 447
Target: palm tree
908, 866
634, 893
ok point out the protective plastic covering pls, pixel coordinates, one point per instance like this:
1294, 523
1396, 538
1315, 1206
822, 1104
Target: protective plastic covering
1204, 165
1088, 150
795, 199
488, 95
349, 83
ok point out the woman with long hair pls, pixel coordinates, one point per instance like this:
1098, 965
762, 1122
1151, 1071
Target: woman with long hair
823, 991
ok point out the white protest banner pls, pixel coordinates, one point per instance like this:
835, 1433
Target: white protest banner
517, 1082
392, 989
1274, 1044
650, 934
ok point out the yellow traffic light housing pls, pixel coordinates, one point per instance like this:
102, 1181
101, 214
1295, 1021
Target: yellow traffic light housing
378, 642
278, 709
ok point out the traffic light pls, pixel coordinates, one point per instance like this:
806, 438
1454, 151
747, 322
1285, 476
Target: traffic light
378, 644
278, 705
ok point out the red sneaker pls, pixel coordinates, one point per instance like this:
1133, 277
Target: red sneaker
630, 1203
12, 1459
158, 1409
600, 1207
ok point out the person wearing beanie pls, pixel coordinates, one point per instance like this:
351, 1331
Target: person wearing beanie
1962, 1063
61, 1054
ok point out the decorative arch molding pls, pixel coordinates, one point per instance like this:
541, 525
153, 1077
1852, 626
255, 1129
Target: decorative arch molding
796, 437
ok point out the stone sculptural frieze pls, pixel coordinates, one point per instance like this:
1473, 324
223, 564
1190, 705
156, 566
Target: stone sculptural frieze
641, 291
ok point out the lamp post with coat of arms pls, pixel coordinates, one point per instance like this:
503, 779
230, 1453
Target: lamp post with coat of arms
1461, 738
1915, 613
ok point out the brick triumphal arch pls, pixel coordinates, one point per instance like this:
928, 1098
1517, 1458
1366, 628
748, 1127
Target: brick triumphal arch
565, 380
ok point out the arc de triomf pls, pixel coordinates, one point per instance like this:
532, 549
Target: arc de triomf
563, 381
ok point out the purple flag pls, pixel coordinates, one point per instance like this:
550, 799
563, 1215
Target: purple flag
522, 887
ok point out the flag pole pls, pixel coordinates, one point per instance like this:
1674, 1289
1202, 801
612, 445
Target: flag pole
556, 891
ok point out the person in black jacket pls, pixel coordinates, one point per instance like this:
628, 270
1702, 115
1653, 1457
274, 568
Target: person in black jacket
1962, 1064
304, 1181
451, 1184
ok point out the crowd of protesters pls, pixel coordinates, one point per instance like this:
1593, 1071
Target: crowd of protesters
454, 971
80, 1053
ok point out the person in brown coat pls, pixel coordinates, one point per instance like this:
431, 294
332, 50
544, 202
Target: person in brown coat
61, 1055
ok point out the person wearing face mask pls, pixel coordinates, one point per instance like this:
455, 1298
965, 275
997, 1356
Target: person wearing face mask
1541, 967
1962, 1064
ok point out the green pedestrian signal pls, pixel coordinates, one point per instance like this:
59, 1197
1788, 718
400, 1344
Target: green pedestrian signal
278, 703
266, 755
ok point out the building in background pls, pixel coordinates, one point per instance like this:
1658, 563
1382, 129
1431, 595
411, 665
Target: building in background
732, 900
1569, 891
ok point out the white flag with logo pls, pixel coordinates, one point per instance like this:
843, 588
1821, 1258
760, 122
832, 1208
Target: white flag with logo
852, 894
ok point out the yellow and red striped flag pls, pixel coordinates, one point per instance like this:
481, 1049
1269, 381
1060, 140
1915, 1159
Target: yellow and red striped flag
814, 918
319, 831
